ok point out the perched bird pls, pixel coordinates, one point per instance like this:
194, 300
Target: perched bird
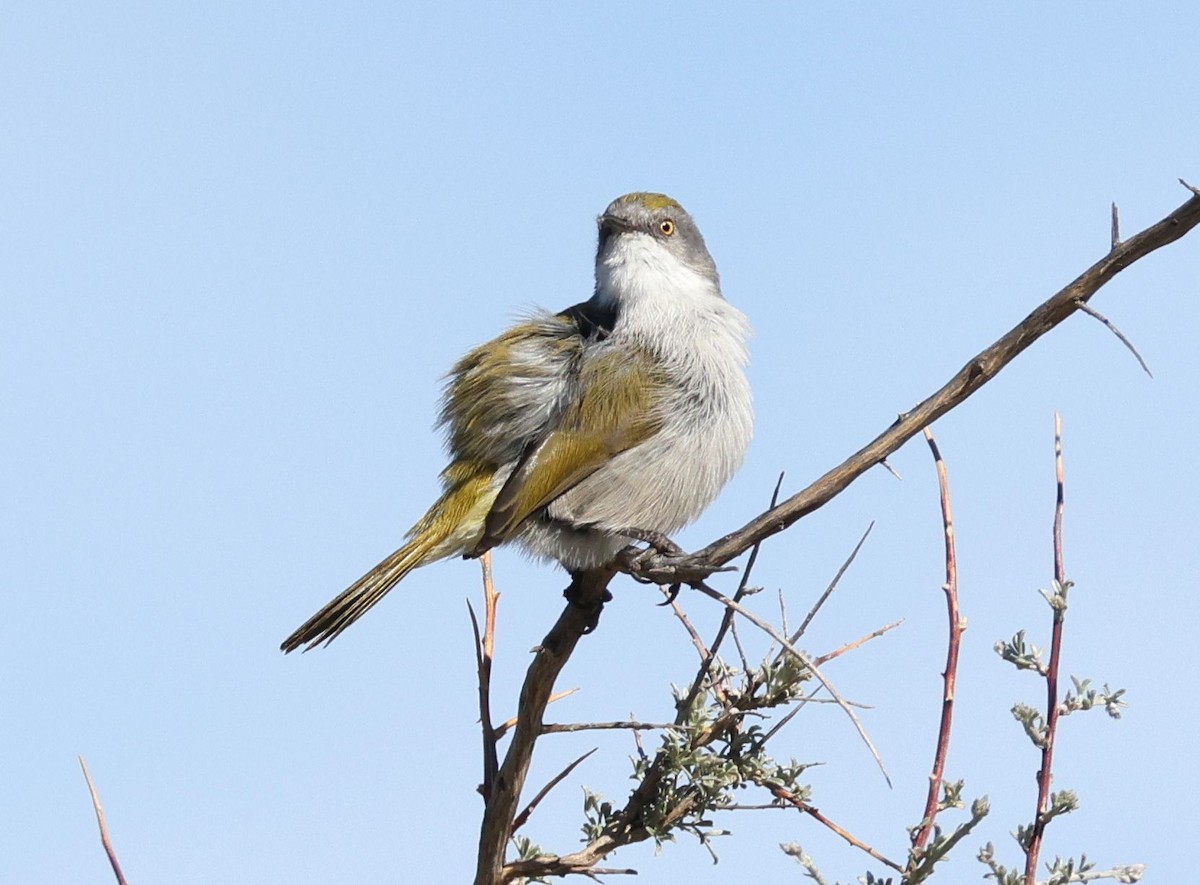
574, 434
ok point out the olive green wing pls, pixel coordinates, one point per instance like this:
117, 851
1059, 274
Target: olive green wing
619, 407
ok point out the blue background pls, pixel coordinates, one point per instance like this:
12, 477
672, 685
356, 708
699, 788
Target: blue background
240, 244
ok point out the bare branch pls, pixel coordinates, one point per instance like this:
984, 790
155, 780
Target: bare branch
707, 661
484, 647
503, 727
630, 724
701, 649
974, 375
586, 596
812, 613
801, 805
1092, 312
521, 818
862, 640
805, 661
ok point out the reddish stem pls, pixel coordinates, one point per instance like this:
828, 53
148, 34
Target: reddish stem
798, 803
1044, 772
936, 776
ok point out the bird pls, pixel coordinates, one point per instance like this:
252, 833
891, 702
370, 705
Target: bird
574, 434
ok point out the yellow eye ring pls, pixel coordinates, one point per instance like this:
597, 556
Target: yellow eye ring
667, 226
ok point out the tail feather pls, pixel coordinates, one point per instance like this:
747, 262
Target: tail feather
452, 525
353, 602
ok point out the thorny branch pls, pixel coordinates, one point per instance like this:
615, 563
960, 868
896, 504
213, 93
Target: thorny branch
585, 595
957, 625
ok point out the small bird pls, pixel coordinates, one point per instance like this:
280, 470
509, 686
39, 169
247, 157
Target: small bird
574, 434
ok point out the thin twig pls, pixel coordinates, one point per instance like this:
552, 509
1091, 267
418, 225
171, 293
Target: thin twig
1123, 873
1058, 607
862, 640
104, 840
633, 725
707, 661
520, 819
484, 648
737, 643
701, 649
798, 803
503, 727
805, 661
801, 703
1116, 228
812, 612
1112, 327
637, 740
957, 625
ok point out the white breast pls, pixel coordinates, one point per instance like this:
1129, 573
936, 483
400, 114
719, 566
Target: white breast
678, 315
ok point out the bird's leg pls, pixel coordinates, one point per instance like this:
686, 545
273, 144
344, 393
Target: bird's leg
659, 543
582, 593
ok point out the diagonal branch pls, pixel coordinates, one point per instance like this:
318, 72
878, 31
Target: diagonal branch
1121, 336
585, 596
521, 818
976, 373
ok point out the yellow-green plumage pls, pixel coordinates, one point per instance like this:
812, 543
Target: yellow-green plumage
617, 410
570, 432
444, 530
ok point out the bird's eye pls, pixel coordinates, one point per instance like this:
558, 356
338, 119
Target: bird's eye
667, 226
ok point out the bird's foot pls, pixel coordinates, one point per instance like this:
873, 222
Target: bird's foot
659, 543
662, 562
583, 597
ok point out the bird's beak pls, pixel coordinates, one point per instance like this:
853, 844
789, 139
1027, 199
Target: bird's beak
610, 225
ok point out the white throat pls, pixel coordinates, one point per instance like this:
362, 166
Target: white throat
669, 306
637, 270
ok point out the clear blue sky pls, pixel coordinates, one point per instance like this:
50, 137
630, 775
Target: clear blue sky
240, 243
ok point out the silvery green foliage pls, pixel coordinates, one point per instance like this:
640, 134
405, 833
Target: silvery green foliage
701, 766
1080, 698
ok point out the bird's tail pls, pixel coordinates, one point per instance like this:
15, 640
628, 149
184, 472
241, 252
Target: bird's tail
452, 525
